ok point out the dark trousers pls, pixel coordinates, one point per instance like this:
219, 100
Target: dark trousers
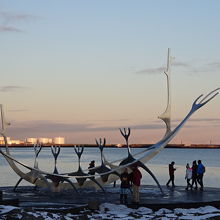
194, 181
123, 199
188, 184
200, 180
171, 180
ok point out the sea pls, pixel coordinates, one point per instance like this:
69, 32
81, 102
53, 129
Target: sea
68, 162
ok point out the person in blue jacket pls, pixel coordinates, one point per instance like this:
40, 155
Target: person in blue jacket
200, 173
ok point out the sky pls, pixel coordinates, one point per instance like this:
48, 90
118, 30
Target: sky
84, 69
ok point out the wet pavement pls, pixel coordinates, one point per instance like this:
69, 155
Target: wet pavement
150, 196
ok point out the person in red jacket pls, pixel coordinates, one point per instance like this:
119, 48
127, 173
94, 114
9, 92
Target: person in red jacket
136, 182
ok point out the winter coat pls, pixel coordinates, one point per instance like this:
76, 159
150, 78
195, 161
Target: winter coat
188, 173
125, 180
200, 169
171, 170
136, 177
194, 171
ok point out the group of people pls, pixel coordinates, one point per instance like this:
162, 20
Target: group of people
194, 175
129, 180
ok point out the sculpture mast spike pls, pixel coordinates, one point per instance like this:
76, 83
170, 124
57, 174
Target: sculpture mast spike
4, 124
3, 119
166, 116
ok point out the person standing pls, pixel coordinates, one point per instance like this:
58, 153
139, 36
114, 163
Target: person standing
125, 186
200, 173
188, 176
194, 174
171, 174
136, 182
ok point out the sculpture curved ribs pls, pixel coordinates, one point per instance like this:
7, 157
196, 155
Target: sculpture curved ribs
144, 156
107, 172
102, 169
37, 150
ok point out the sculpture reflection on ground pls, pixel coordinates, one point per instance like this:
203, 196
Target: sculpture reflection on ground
107, 172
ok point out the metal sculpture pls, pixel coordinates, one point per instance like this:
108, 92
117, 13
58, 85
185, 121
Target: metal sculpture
107, 172
102, 169
130, 158
82, 176
166, 116
37, 150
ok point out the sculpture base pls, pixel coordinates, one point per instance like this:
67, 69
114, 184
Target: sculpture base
150, 196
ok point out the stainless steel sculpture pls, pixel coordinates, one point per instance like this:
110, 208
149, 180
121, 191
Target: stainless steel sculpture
107, 172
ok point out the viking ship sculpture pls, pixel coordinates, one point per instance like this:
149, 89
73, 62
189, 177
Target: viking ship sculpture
107, 172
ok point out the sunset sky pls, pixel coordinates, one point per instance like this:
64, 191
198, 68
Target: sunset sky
83, 69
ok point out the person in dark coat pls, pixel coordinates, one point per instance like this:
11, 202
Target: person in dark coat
194, 174
171, 174
91, 165
125, 186
136, 182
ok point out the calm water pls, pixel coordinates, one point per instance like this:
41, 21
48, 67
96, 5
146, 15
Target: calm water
67, 162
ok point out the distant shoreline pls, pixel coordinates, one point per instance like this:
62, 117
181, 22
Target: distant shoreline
183, 146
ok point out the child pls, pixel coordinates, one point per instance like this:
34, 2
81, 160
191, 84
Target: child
188, 176
125, 186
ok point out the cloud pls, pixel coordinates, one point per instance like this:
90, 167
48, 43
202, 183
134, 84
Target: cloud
214, 65
48, 126
18, 110
210, 121
151, 70
9, 29
11, 88
216, 120
42, 128
207, 67
45, 126
111, 120
8, 20
7, 16
181, 64
158, 70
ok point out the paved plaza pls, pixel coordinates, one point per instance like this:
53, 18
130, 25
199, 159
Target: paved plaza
151, 197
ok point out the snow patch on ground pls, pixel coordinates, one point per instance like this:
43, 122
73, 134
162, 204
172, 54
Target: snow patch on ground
112, 211
144, 211
5, 209
201, 210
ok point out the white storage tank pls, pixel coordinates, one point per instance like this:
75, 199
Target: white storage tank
59, 140
2, 140
43, 140
31, 140
15, 142
50, 141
